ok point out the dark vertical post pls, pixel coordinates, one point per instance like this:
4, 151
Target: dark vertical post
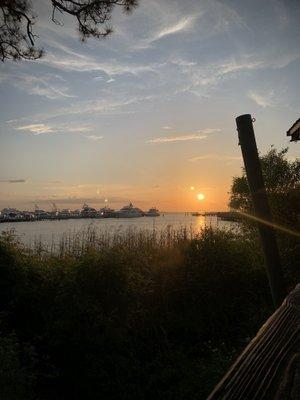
261, 206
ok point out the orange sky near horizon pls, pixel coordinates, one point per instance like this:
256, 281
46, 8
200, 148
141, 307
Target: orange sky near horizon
172, 197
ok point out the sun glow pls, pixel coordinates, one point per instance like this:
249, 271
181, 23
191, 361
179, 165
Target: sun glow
200, 196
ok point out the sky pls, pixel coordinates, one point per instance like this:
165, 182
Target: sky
148, 114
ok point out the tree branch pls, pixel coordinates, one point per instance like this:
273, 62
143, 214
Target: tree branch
17, 39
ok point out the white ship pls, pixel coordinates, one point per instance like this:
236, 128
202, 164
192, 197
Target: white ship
153, 212
129, 212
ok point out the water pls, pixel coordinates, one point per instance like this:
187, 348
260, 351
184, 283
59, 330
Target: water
51, 232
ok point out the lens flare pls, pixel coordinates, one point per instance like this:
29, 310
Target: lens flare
268, 223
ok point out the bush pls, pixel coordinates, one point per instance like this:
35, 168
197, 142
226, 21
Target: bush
143, 316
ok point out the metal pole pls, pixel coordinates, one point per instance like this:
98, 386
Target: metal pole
261, 206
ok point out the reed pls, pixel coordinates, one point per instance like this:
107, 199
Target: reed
140, 315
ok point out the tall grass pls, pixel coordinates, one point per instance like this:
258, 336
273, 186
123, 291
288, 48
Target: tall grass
145, 315
78, 242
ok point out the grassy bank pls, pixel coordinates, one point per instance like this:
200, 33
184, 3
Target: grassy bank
145, 315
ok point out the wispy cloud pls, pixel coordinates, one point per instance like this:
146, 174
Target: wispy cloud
111, 104
263, 100
167, 24
114, 104
200, 134
51, 86
39, 129
208, 131
184, 24
36, 129
75, 129
42, 182
232, 66
94, 138
200, 77
50, 92
68, 60
216, 157
182, 138
167, 128
12, 180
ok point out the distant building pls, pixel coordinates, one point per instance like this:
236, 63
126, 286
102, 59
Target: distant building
294, 131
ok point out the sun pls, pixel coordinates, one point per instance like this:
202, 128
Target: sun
200, 196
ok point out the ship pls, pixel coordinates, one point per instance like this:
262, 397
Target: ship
41, 214
88, 212
14, 215
129, 212
107, 212
63, 214
152, 212
75, 214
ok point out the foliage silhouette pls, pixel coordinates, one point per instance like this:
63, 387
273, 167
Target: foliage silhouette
17, 18
282, 181
145, 316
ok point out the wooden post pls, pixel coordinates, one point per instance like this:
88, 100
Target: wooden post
261, 206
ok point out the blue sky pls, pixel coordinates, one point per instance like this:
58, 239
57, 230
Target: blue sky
149, 112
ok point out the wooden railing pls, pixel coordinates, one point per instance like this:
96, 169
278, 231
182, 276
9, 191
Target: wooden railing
269, 367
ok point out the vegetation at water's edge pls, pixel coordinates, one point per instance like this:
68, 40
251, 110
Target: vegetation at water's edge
143, 316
